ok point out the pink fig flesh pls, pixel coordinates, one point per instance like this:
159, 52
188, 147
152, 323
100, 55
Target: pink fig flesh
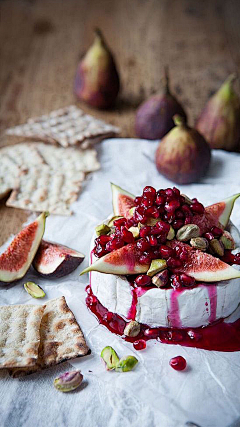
55, 260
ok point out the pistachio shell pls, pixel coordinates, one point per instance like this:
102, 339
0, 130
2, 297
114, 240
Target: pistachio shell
161, 279
227, 240
102, 229
68, 381
134, 231
126, 364
188, 201
188, 232
217, 247
34, 290
199, 243
132, 329
156, 266
110, 357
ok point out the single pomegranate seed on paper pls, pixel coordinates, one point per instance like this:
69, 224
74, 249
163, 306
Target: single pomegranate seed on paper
139, 345
143, 280
178, 363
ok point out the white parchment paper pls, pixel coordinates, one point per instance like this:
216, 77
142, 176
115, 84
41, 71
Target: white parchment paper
207, 392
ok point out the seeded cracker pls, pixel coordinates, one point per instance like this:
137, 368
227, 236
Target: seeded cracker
61, 337
68, 127
19, 335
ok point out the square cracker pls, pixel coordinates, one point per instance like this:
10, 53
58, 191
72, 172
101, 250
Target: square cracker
20, 335
67, 126
61, 337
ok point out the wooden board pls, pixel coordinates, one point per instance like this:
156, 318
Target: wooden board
42, 41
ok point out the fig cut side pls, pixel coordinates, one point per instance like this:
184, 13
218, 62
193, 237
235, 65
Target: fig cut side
16, 260
55, 260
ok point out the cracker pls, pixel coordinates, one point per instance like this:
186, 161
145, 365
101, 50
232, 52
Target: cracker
8, 174
44, 189
20, 335
61, 337
67, 126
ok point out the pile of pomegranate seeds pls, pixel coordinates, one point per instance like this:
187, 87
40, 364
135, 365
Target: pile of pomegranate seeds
162, 209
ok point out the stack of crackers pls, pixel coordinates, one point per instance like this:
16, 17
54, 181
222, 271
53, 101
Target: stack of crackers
48, 176
34, 337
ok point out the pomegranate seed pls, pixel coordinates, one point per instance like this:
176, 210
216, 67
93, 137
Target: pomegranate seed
176, 336
179, 214
152, 212
108, 316
145, 231
228, 257
116, 243
145, 259
127, 235
163, 226
208, 236
217, 232
149, 192
102, 239
139, 345
176, 191
137, 201
183, 255
175, 281
197, 208
194, 200
139, 215
169, 192
131, 222
143, 245
119, 222
188, 220
173, 262
187, 280
193, 335
146, 202
143, 280
99, 251
178, 363
153, 240
91, 300
151, 333
169, 217
237, 259
172, 206
186, 210
177, 223
160, 200
166, 252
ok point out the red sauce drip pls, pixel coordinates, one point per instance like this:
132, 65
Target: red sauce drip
219, 336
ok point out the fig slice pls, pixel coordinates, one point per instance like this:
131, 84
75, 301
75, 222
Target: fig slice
55, 260
122, 201
16, 260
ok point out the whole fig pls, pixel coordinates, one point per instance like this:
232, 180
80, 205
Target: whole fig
97, 81
154, 117
183, 155
219, 122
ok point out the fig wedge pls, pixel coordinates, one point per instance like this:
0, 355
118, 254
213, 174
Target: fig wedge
55, 260
16, 260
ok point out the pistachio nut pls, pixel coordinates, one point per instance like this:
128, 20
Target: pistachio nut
134, 231
227, 240
171, 233
161, 279
156, 266
110, 357
102, 229
131, 211
188, 232
68, 381
132, 329
126, 364
217, 247
199, 243
152, 221
188, 201
34, 290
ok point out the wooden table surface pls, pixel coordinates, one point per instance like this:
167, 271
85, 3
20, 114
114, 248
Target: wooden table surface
42, 41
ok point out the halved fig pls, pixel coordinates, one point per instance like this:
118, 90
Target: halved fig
16, 260
55, 260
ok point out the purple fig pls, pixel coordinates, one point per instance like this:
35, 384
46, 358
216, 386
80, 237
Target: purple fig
154, 117
219, 122
183, 155
97, 80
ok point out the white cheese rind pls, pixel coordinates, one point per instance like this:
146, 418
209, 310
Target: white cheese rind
193, 307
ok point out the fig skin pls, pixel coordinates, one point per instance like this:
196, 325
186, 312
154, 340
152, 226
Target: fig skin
154, 118
219, 122
183, 156
97, 80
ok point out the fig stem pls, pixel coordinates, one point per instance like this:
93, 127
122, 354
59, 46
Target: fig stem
98, 34
166, 79
179, 120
